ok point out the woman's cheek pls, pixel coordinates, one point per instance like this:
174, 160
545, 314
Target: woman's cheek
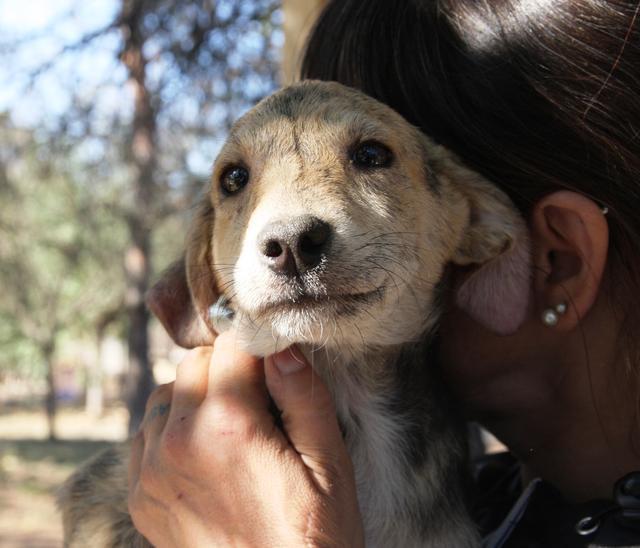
474, 359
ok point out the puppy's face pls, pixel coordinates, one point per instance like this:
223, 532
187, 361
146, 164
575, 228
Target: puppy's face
329, 225
330, 221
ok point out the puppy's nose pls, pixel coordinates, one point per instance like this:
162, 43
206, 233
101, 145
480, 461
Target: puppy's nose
295, 246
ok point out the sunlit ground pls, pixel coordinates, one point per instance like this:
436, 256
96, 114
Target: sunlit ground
32, 468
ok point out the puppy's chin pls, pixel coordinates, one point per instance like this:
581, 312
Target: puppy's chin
335, 325
274, 332
261, 343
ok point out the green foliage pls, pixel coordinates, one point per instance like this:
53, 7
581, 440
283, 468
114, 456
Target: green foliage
58, 241
68, 180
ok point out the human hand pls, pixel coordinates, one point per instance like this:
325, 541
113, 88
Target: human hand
210, 467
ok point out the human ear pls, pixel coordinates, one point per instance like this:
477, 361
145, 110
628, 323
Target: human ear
571, 237
184, 293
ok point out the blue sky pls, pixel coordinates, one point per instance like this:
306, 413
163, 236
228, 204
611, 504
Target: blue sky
48, 25
42, 28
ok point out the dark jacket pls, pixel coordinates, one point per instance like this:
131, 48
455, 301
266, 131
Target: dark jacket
537, 516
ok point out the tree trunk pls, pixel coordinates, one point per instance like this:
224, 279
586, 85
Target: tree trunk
143, 156
50, 399
140, 377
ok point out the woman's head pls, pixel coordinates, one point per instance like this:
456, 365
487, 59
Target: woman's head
540, 96
537, 95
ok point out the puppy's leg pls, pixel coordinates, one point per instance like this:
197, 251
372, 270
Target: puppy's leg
93, 502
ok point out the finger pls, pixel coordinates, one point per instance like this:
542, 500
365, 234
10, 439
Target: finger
147, 511
135, 460
157, 412
160, 394
190, 387
308, 413
236, 375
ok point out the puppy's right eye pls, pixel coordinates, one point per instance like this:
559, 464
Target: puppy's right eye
370, 155
234, 179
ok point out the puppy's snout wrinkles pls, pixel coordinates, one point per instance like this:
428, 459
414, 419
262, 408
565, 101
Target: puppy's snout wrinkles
296, 245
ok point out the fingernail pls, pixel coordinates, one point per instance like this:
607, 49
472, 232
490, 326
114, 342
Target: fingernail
287, 362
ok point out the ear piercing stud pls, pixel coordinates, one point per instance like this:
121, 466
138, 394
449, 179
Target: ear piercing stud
551, 316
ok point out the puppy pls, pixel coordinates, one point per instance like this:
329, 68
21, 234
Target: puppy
330, 223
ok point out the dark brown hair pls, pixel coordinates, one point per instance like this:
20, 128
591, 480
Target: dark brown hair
537, 95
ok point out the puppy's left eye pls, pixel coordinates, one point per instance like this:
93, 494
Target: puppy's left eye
371, 154
234, 179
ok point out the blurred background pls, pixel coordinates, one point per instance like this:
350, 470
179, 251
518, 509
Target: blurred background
111, 113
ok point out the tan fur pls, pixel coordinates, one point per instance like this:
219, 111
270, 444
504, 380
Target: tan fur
300, 165
395, 231
94, 504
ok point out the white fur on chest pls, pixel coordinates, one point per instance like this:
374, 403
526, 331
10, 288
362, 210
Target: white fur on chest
393, 495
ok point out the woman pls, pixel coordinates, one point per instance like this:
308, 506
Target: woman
543, 98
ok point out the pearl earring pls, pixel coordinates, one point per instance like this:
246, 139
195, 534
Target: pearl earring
551, 316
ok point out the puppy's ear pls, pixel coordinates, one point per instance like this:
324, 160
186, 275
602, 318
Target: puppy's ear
182, 296
495, 243
170, 300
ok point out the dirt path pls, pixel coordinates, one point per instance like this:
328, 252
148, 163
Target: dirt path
32, 469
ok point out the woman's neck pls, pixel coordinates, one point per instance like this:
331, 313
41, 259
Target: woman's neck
577, 425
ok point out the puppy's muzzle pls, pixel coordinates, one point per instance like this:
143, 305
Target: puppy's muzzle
295, 246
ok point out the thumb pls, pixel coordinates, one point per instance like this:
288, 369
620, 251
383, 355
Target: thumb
308, 412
